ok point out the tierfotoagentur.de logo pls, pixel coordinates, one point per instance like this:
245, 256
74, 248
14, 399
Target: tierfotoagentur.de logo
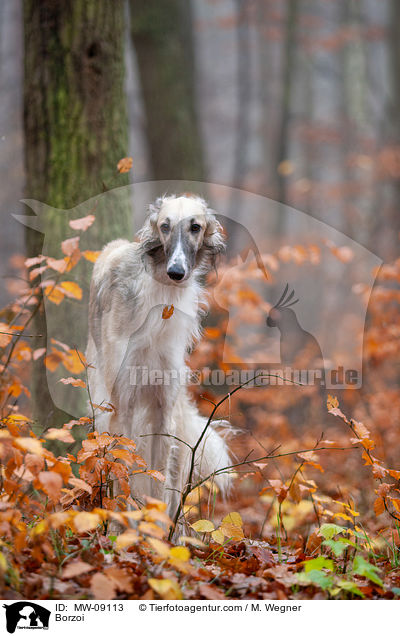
26, 615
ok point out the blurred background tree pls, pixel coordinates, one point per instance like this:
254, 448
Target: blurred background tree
162, 34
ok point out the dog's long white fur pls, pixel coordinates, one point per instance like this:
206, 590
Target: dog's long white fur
127, 334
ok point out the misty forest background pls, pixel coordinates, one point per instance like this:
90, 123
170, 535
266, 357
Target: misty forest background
220, 90
295, 100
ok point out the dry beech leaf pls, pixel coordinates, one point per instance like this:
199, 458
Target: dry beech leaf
218, 537
233, 518
167, 312
147, 527
120, 579
231, 531
384, 489
59, 265
36, 272
60, 434
38, 353
162, 548
91, 255
379, 506
396, 504
280, 489
360, 429
197, 543
126, 539
63, 468
58, 519
135, 515
156, 475
332, 402
179, 553
71, 289
124, 165
166, 588
73, 362
54, 294
79, 483
53, 359
73, 382
17, 417
52, 484
123, 454
85, 521
34, 261
154, 503
161, 586
379, 472
203, 525
102, 587
83, 223
69, 246
211, 592
29, 444
76, 568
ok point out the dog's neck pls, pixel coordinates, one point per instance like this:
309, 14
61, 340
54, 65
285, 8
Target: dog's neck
187, 297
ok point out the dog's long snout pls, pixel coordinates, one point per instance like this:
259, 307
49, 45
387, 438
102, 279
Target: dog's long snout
177, 264
176, 272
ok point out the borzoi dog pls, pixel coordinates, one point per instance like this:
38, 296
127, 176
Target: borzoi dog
132, 340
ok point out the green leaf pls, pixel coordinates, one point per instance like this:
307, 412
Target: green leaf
335, 546
339, 546
351, 587
364, 568
329, 530
349, 542
317, 564
316, 577
396, 591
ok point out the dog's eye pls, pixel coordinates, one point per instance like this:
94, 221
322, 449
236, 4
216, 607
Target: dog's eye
195, 227
164, 227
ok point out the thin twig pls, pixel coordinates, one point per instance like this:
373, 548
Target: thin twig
85, 365
22, 335
167, 435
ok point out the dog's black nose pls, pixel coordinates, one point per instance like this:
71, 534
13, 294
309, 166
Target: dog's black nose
176, 272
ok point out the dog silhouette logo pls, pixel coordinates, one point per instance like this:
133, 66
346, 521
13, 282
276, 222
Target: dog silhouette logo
298, 347
26, 615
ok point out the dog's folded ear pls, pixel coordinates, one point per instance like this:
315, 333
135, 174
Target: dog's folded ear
214, 237
154, 208
148, 234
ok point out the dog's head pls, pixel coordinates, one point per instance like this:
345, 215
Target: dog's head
181, 235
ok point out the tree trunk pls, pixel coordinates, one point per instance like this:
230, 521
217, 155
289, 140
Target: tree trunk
163, 41
289, 59
75, 123
391, 221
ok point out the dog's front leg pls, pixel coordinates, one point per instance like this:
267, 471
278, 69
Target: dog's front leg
165, 448
160, 448
172, 481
